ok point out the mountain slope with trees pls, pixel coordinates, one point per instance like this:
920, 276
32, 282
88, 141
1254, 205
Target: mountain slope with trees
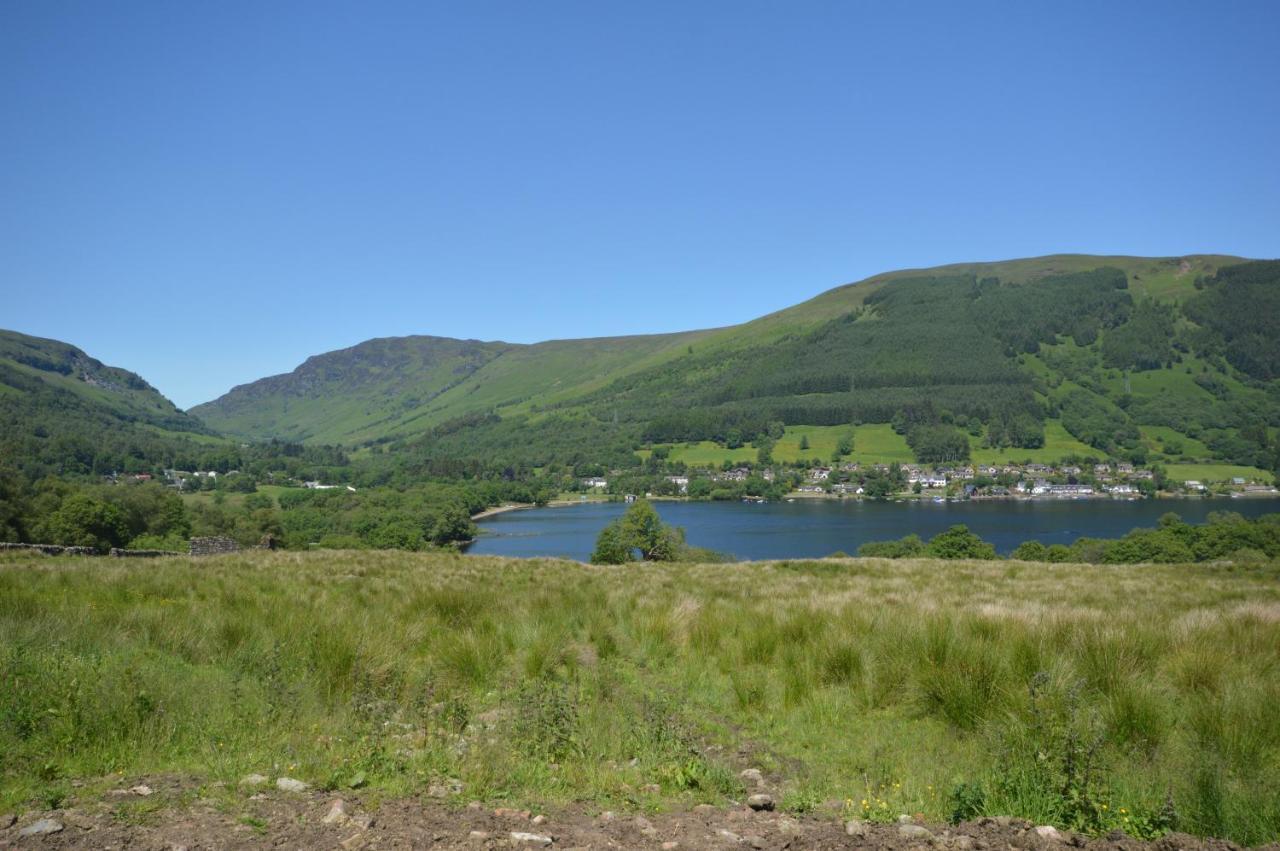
983, 353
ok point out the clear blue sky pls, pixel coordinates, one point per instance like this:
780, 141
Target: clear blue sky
208, 193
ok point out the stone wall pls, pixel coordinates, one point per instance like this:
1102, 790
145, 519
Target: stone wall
51, 549
213, 546
116, 552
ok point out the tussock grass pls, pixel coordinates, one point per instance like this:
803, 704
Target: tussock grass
1138, 697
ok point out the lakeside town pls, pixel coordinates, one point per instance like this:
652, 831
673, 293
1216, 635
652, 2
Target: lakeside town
1118, 480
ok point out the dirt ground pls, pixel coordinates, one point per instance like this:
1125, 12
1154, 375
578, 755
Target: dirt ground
166, 815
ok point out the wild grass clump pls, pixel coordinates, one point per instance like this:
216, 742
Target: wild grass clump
1092, 697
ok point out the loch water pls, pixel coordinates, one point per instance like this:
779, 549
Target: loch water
815, 528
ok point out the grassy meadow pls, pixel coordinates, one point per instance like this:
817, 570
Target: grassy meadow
874, 443
1095, 697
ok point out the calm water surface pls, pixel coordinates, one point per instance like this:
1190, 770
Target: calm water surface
814, 528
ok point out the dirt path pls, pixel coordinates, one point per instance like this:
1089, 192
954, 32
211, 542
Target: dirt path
168, 817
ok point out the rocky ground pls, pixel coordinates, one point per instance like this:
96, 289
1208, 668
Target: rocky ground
168, 814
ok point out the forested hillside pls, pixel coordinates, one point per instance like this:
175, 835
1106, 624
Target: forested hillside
1130, 356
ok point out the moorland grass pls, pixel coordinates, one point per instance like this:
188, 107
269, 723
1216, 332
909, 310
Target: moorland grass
1096, 697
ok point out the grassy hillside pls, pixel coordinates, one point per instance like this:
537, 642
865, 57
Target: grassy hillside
64, 412
399, 386
912, 686
1037, 358
59, 370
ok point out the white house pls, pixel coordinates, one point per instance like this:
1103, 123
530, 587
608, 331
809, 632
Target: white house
595, 482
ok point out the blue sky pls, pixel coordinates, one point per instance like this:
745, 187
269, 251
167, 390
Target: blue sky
209, 193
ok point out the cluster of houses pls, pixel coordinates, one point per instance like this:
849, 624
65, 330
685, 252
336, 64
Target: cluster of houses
1040, 480
1067, 481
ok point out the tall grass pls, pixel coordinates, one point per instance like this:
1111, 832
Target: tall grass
1141, 698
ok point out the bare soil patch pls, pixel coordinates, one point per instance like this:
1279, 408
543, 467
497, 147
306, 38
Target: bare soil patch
167, 814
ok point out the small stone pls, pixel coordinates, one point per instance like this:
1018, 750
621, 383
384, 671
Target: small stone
42, 827
651, 789
522, 838
752, 775
507, 812
355, 840
1049, 832
645, 826
754, 841
288, 784
855, 827
143, 790
538, 819
337, 812
670, 846
760, 802
961, 843
253, 780
75, 818
435, 790
474, 805
914, 831
728, 835
606, 816
789, 827
904, 819
362, 821
478, 834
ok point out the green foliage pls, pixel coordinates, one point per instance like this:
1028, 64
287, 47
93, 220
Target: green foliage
1098, 422
908, 547
1144, 342
938, 444
83, 520
612, 546
958, 542
639, 529
1238, 309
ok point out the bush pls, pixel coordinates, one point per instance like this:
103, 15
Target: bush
958, 542
906, 547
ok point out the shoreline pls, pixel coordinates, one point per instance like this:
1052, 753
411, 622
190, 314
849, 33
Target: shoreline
523, 506
897, 498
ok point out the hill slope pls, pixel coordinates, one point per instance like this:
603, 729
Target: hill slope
62, 408
1105, 346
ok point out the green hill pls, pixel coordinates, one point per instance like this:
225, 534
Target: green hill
1023, 355
62, 411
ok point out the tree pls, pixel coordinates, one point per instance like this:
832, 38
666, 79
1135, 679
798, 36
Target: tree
764, 449
84, 520
452, 525
611, 546
1031, 551
959, 542
639, 529
804, 442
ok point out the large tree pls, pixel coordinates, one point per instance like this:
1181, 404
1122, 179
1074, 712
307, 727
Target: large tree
640, 530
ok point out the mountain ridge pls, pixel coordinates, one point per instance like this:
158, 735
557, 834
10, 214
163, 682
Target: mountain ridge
514, 379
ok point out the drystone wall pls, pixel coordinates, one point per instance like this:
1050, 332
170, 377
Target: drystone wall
214, 546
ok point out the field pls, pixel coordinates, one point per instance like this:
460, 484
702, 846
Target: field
1215, 473
1058, 444
875, 443
1090, 697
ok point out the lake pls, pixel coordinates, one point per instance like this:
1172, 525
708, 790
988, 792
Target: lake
815, 528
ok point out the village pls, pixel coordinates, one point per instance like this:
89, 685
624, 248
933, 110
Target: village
1119, 480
